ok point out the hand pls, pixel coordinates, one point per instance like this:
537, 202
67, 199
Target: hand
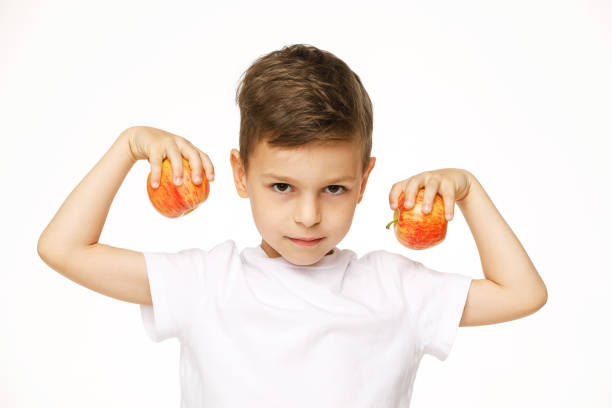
452, 184
155, 145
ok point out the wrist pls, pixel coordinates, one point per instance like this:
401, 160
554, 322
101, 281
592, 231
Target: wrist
125, 138
472, 185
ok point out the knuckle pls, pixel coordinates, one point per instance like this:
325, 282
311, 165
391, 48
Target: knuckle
154, 154
195, 155
195, 163
182, 142
171, 146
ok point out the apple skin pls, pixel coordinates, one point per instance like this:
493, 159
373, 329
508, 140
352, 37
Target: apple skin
174, 201
416, 230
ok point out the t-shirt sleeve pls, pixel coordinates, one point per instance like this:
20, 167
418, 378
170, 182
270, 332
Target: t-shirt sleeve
436, 300
177, 284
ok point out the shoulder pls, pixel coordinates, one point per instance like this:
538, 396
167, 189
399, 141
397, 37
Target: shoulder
386, 264
191, 256
227, 247
381, 258
223, 255
409, 271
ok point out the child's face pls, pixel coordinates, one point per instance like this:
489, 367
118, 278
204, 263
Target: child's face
305, 200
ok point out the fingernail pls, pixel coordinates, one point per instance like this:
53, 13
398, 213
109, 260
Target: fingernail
155, 184
177, 180
448, 217
197, 179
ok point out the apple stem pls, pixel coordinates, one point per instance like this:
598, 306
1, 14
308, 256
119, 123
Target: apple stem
395, 219
188, 211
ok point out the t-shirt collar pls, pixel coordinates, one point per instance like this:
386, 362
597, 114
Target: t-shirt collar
325, 262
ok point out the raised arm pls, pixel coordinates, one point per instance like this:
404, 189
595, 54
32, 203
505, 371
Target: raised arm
69, 244
512, 287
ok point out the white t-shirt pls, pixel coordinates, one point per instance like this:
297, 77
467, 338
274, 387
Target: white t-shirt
256, 331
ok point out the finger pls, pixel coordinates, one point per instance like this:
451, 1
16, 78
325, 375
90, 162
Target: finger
176, 160
155, 159
431, 189
448, 195
395, 194
210, 169
411, 191
195, 161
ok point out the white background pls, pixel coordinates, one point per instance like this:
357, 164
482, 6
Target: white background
519, 93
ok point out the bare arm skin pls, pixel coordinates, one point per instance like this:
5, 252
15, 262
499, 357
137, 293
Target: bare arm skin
69, 244
512, 287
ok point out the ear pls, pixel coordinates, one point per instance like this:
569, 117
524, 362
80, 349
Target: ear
365, 178
239, 173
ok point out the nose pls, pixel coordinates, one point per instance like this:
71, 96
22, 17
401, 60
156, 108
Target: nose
307, 211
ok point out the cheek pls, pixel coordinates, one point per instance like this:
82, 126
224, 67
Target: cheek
269, 211
341, 213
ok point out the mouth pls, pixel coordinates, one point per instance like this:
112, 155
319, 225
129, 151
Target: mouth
306, 241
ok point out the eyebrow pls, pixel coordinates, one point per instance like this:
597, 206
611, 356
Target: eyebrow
335, 180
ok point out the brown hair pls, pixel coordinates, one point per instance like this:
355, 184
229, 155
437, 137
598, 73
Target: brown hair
299, 95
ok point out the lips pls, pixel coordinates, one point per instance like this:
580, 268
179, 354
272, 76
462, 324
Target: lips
306, 241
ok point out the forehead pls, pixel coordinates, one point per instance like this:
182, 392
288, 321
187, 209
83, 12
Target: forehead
330, 158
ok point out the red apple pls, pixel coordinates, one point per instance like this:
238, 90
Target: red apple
174, 201
416, 230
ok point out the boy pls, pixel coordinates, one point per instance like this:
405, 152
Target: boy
295, 321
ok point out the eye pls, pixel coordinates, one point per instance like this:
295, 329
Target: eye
279, 184
338, 187
342, 188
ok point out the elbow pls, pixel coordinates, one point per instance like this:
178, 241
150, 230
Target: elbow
533, 299
47, 252
41, 248
542, 292
541, 298
544, 295
538, 293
